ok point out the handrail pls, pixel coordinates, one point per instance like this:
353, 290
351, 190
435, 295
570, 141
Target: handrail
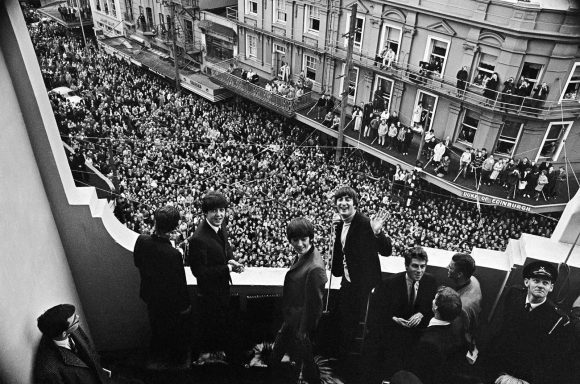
525, 105
257, 92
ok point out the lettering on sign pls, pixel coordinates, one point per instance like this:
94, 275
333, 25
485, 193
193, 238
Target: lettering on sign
496, 201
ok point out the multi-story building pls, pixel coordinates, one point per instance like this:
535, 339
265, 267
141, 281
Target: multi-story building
108, 17
535, 40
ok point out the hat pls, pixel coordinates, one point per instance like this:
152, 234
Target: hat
541, 269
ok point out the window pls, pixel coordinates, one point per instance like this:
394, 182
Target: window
252, 7
436, 53
311, 19
532, 72
382, 94
553, 141
251, 47
484, 70
113, 9
162, 22
278, 56
352, 83
168, 18
429, 103
508, 138
149, 13
572, 88
468, 127
390, 38
279, 10
188, 31
309, 66
358, 31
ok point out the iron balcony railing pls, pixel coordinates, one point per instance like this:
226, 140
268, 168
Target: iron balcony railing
227, 73
512, 104
232, 13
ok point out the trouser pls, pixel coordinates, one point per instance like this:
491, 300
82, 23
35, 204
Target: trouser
169, 334
299, 350
214, 323
352, 308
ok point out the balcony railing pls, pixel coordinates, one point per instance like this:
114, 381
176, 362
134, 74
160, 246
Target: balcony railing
511, 104
232, 13
225, 73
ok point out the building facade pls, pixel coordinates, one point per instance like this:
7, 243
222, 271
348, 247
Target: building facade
536, 41
108, 17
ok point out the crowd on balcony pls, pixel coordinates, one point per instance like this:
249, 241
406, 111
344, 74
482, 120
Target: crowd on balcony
71, 14
161, 147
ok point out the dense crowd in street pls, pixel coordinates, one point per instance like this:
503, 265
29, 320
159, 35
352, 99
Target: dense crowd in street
161, 147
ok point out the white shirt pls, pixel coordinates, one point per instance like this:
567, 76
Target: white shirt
216, 229
434, 322
62, 343
534, 305
343, 234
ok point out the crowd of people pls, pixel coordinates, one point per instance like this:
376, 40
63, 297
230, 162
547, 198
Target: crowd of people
162, 147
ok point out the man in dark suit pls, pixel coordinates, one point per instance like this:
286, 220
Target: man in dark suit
211, 259
439, 347
358, 241
164, 290
65, 355
400, 308
301, 300
530, 332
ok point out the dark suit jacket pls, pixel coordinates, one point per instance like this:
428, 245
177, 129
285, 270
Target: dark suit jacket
208, 257
57, 365
391, 299
361, 250
163, 284
303, 291
438, 349
522, 346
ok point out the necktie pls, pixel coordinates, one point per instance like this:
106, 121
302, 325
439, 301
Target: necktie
221, 235
528, 307
73, 346
412, 295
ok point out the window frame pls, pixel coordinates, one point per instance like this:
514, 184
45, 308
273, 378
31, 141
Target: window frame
575, 67
308, 17
540, 74
561, 140
357, 46
305, 66
516, 141
351, 99
383, 39
376, 86
276, 11
249, 37
427, 55
417, 98
466, 113
478, 69
249, 8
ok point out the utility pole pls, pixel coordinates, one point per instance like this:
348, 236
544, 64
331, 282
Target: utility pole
82, 27
173, 38
346, 81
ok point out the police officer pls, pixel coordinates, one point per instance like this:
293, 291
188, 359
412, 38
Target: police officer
528, 343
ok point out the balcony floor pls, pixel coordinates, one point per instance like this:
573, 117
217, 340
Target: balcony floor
459, 186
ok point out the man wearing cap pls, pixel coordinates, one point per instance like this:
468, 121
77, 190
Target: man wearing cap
65, 354
527, 343
211, 259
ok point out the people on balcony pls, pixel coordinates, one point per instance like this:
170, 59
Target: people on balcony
462, 76
285, 72
357, 117
388, 58
490, 91
507, 95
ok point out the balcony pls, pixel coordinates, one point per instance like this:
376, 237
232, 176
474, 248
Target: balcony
232, 13
518, 106
228, 74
